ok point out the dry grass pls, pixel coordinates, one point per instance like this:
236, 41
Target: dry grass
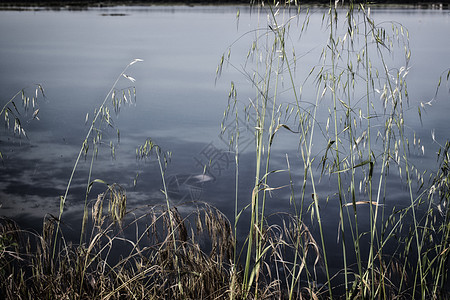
112, 265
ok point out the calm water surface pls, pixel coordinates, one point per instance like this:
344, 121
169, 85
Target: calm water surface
76, 56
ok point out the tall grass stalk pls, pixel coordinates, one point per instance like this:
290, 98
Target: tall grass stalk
353, 153
234, 144
334, 52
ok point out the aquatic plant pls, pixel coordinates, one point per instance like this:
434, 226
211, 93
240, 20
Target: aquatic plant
102, 116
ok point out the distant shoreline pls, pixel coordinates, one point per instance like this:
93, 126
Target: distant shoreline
68, 4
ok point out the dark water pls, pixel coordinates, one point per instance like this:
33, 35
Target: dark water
76, 56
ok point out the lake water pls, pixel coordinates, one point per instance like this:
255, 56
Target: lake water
76, 56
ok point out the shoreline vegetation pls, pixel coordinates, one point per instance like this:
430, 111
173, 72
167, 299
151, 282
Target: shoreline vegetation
167, 252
